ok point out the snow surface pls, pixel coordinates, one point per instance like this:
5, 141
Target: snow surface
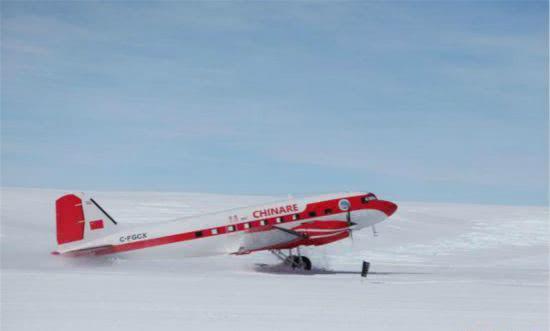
434, 266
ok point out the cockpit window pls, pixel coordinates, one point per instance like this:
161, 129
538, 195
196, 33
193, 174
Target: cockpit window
369, 197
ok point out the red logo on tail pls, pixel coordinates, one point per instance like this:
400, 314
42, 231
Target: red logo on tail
97, 224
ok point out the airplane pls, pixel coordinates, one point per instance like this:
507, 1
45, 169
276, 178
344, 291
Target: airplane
84, 228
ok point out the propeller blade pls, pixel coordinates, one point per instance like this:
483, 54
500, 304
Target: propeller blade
350, 224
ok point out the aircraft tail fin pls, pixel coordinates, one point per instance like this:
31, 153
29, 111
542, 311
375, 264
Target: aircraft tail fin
80, 219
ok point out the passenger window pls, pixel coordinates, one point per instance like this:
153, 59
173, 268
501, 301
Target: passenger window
263, 222
214, 231
231, 228
279, 220
312, 214
198, 234
247, 225
328, 211
295, 217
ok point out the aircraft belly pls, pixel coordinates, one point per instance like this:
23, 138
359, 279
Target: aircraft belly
369, 217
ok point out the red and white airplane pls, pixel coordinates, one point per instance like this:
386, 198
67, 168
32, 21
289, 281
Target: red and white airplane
85, 228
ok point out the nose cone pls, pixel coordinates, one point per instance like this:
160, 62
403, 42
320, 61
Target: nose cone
387, 207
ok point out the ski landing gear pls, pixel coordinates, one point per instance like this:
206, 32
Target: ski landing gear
294, 261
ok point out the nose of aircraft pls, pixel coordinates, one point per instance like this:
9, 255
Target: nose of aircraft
387, 207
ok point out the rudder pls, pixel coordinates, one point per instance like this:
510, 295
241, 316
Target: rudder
70, 220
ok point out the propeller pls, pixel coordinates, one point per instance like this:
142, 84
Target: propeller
350, 224
374, 232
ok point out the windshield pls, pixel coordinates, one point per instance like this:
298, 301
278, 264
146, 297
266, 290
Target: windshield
371, 196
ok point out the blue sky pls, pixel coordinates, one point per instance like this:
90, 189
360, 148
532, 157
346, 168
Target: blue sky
431, 101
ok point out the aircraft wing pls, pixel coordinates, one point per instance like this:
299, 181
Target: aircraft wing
279, 237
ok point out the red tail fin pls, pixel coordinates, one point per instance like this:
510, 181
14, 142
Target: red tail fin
69, 219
